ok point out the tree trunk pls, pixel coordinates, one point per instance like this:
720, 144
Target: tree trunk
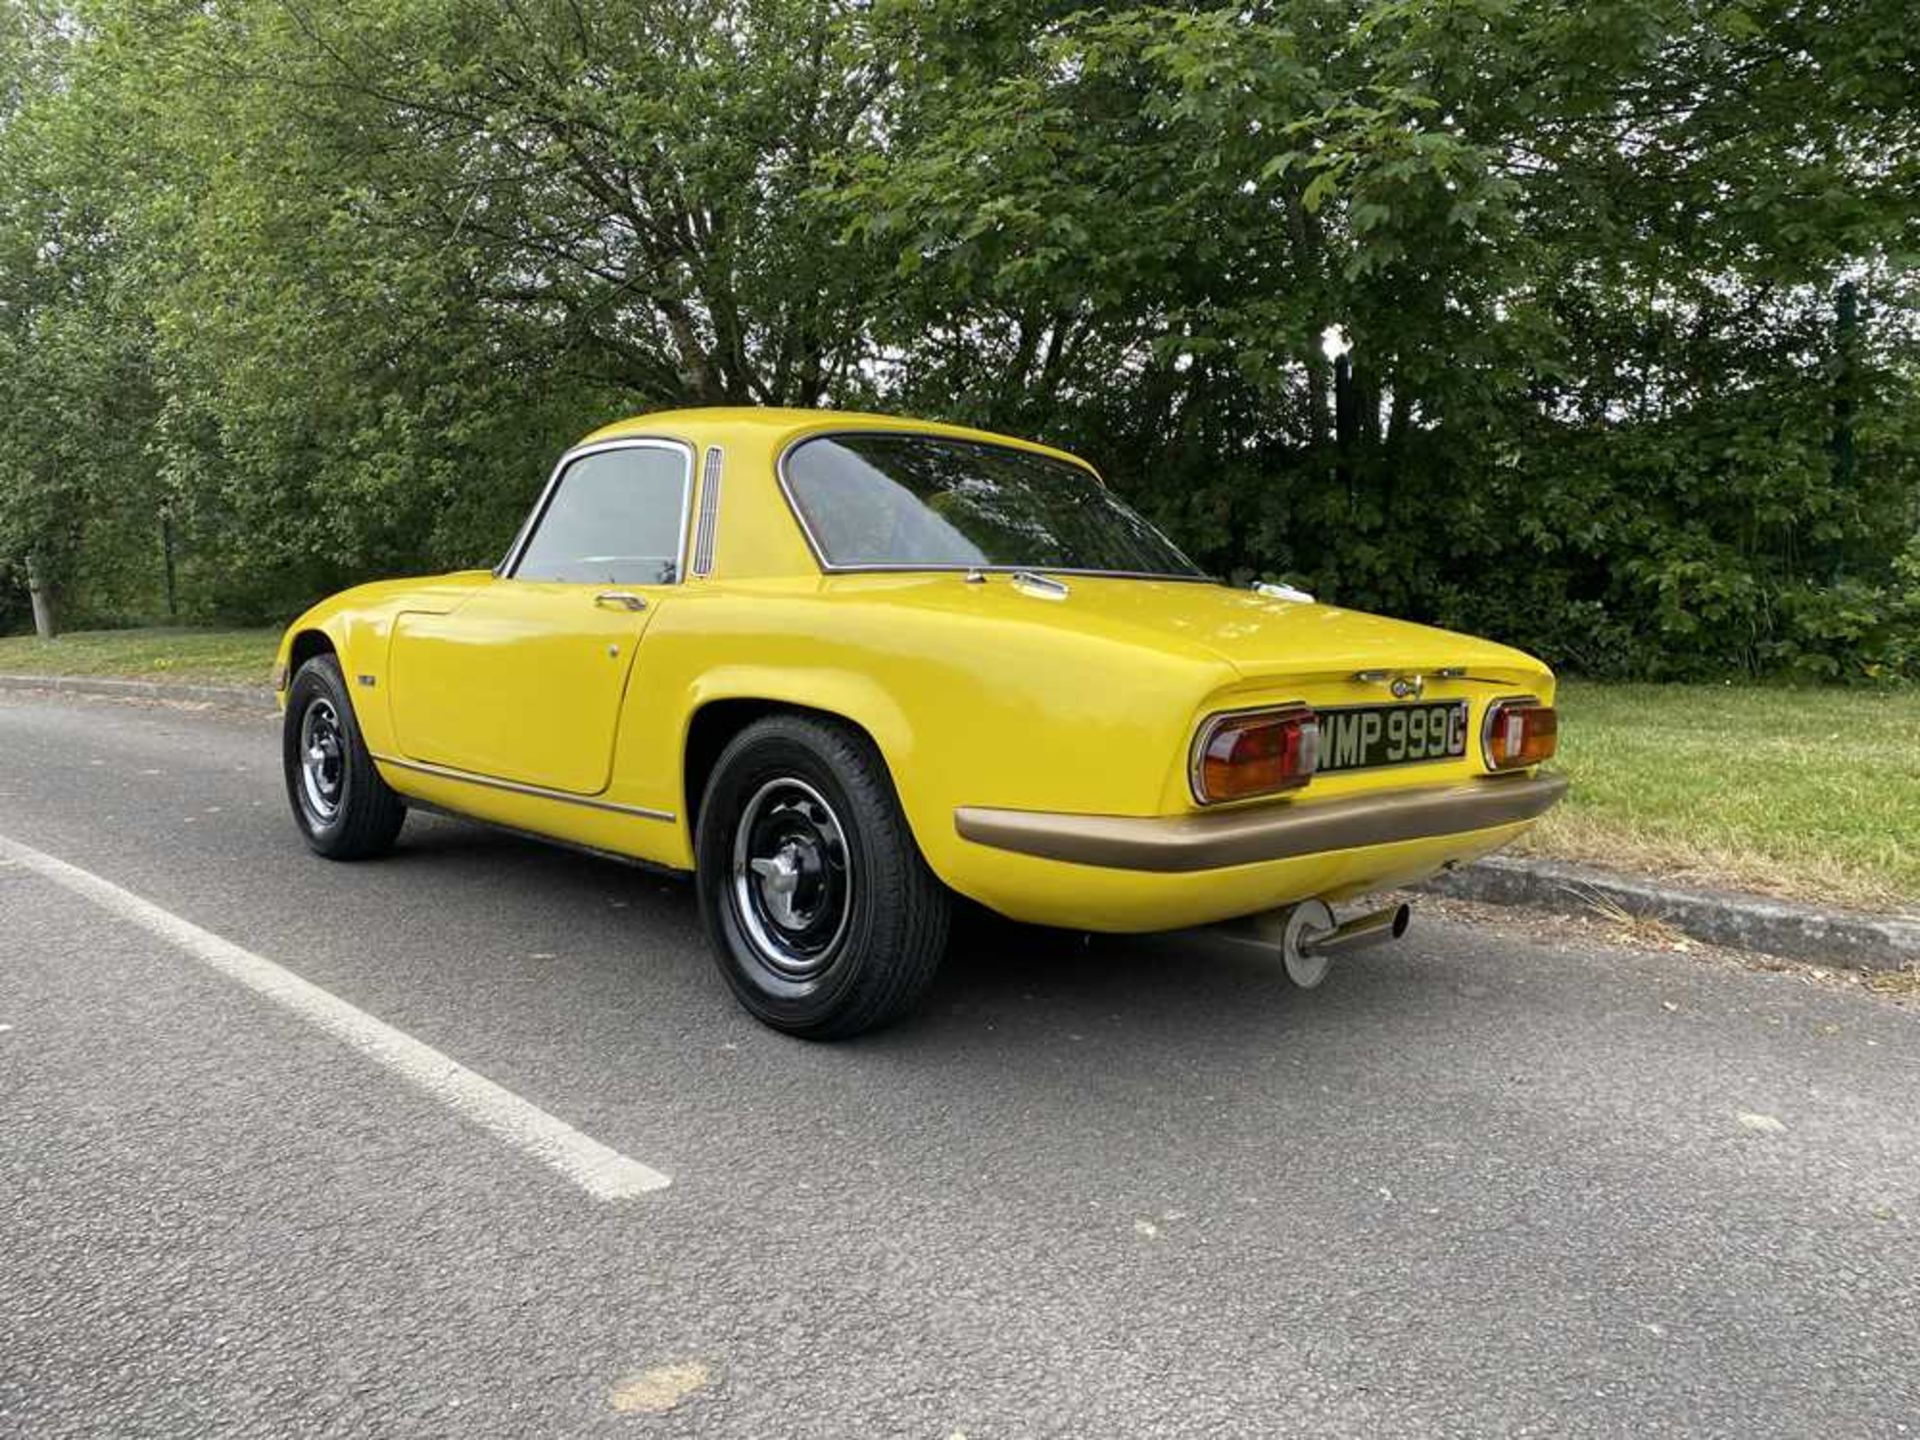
41, 593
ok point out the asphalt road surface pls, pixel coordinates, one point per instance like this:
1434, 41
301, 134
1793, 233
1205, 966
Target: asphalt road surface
1473, 1185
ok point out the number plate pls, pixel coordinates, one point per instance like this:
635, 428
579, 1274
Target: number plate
1365, 737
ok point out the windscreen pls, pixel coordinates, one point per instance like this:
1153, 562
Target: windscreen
927, 502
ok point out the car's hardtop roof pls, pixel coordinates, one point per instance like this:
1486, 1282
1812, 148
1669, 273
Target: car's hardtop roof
781, 426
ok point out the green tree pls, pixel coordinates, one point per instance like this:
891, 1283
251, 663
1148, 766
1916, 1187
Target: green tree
76, 401
1586, 258
320, 289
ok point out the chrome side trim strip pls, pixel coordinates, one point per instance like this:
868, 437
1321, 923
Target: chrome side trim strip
1180, 844
447, 772
709, 512
432, 807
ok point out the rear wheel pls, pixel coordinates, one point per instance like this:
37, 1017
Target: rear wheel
826, 920
342, 806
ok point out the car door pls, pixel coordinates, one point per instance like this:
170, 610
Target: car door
524, 681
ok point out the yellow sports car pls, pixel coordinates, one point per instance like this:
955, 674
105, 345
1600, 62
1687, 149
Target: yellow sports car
844, 667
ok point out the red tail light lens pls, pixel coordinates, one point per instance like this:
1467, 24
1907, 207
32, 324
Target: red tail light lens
1256, 752
1519, 733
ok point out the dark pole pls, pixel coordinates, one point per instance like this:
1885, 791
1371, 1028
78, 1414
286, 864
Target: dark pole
1346, 420
1846, 337
166, 553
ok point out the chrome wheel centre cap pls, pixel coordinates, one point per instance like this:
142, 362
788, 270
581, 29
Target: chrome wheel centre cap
780, 882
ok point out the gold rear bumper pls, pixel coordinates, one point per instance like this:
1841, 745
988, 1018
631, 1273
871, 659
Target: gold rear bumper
1174, 844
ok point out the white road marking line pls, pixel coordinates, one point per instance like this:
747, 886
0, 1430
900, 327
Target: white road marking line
602, 1172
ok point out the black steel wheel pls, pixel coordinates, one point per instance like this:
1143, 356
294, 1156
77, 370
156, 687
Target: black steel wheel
792, 879
825, 919
323, 761
342, 806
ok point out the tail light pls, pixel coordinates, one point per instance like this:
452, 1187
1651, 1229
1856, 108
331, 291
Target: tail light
1254, 752
1519, 733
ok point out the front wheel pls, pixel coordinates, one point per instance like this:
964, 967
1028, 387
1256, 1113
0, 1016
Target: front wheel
342, 806
826, 920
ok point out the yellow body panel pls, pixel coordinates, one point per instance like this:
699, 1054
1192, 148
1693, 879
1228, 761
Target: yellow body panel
976, 694
522, 680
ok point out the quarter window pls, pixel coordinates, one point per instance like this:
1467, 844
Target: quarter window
615, 517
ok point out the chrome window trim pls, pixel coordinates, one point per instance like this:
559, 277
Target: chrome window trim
508, 568
1203, 737
703, 542
519, 787
827, 567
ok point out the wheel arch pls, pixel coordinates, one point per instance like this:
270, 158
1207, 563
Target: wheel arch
715, 722
313, 636
303, 645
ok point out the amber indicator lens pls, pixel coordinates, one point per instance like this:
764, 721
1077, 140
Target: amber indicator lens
1520, 733
1256, 754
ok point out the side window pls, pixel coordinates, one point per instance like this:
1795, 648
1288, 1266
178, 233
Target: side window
615, 517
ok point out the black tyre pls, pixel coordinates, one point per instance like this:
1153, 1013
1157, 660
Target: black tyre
825, 919
342, 806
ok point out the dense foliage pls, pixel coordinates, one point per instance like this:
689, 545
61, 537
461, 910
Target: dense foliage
298, 291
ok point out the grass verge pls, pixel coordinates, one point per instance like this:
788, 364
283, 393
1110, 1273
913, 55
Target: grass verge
186, 657
1806, 794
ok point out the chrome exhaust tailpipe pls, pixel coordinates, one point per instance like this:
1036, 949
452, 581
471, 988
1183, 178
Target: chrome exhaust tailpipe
1359, 933
1306, 938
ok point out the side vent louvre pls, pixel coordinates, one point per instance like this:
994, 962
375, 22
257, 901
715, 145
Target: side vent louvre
709, 513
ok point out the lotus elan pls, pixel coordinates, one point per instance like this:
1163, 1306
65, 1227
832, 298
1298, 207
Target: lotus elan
846, 668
